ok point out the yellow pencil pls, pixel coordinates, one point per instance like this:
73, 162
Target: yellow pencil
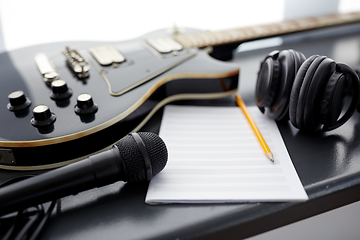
265, 147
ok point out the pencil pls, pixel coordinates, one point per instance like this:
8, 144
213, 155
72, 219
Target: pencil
260, 138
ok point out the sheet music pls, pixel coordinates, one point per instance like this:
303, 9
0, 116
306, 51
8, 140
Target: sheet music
214, 156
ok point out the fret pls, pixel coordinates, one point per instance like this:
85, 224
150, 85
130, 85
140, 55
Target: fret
260, 31
303, 24
248, 33
289, 26
191, 40
235, 35
198, 39
205, 39
227, 36
183, 40
283, 27
273, 29
208, 39
329, 20
214, 39
219, 36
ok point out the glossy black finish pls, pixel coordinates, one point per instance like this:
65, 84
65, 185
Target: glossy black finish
79, 129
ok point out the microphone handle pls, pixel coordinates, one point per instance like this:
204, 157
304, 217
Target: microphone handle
95, 171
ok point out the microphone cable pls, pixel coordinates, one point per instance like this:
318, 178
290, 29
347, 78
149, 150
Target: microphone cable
25, 224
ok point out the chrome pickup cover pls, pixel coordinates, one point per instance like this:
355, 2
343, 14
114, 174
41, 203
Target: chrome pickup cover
164, 44
107, 55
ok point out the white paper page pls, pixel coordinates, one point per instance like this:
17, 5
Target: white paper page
214, 156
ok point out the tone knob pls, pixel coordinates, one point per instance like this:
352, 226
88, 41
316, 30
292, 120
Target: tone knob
42, 116
60, 90
18, 101
85, 104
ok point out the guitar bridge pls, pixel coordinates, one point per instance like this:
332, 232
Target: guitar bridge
77, 63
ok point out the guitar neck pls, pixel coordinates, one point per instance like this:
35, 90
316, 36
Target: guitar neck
238, 35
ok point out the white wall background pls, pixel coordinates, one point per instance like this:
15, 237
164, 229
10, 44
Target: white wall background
26, 23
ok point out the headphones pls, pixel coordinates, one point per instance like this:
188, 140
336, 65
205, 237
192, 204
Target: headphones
310, 92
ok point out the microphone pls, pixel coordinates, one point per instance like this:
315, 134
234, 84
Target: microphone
135, 158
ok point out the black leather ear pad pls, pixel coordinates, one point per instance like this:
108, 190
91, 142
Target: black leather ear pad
308, 92
275, 81
299, 59
295, 91
317, 86
268, 80
333, 99
278, 110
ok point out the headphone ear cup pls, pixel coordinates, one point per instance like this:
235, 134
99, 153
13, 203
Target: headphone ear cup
299, 59
311, 92
318, 93
333, 99
295, 91
334, 94
267, 81
276, 95
314, 95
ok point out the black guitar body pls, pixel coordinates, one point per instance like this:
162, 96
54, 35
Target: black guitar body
126, 95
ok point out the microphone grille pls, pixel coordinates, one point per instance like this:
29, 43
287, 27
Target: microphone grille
135, 167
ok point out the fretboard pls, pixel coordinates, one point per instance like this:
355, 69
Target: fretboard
238, 35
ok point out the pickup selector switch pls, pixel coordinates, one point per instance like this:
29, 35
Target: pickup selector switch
60, 90
18, 101
42, 116
85, 105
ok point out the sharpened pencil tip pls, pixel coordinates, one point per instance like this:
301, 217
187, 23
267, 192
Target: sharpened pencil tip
270, 156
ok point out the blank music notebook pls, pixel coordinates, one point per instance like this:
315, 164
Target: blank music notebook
214, 156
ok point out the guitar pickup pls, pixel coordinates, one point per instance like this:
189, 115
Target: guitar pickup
46, 68
165, 44
77, 63
107, 55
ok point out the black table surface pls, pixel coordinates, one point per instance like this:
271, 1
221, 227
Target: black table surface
328, 166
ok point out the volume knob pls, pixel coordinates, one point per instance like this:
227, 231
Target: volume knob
18, 101
85, 105
42, 116
60, 90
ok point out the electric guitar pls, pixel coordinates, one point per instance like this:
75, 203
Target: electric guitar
61, 102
